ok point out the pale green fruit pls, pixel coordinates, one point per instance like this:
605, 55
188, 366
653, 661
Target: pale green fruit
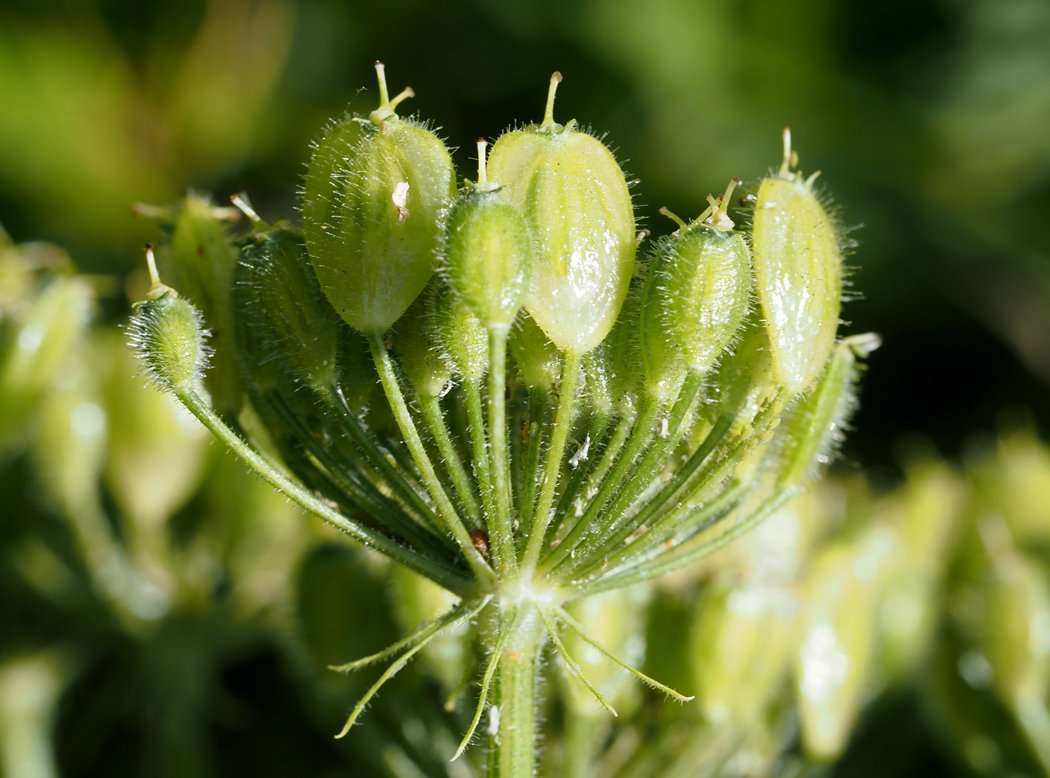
374, 196
488, 251
798, 276
575, 200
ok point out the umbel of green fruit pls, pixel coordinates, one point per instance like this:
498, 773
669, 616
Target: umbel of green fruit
576, 203
374, 191
487, 389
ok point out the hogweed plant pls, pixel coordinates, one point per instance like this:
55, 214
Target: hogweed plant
486, 384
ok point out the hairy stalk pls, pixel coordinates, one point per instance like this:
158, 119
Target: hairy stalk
446, 510
430, 407
500, 530
437, 571
586, 523
652, 462
570, 377
513, 716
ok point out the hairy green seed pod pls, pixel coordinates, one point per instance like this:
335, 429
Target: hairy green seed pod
837, 640
154, 447
373, 201
575, 200
202, 260
538, 360
798, 274
460, 336
287, 325
420, 361
167, 335
36, 344
488, 250
702, 276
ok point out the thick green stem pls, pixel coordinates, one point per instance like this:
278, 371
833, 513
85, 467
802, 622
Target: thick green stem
512, 742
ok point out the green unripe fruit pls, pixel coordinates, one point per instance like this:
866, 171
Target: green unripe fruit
702, 276
488, 250
798, 274
1015, 632
742, 643
420, 361
461, 337
837, 642
167, 334
287, 323
576, 203
371, 215
538, 360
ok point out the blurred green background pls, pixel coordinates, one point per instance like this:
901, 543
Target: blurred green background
929, 121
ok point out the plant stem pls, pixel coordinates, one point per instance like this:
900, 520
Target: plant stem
512, 745
432, 415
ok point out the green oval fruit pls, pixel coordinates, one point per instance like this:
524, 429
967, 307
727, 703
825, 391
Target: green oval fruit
460, 336
742, 642
798, 275
167, 335
704, 277
203, 258
373, 199
1015, 632
538, 360
290, 327
575, 200
420, 360
488, 250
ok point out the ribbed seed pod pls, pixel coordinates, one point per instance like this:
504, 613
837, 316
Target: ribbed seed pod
575, 200
203, 258
373, 202
695, 297
167, 335
538, 360
742, 647
488, 250
798, 274
294, 330
461, 337
1015, 632
836, 644
420, 359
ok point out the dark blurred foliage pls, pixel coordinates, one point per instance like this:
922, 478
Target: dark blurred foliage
928, 119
